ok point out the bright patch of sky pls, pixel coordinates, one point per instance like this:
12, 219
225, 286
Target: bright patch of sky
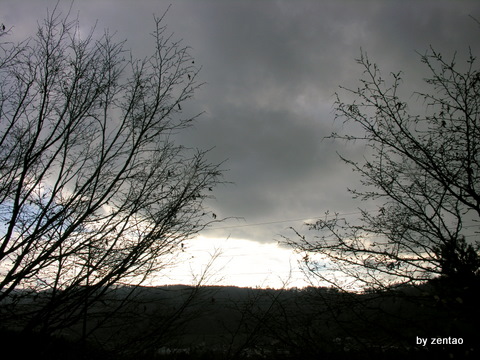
238, 262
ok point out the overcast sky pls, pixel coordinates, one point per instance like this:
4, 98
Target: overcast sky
270, 70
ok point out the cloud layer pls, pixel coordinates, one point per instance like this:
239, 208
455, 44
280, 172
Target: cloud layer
271, 69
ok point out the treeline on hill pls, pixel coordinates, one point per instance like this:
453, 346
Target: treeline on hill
433, 320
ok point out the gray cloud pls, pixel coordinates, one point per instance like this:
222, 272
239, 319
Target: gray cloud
271, 68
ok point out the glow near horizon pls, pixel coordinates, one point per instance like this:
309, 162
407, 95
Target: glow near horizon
239, 262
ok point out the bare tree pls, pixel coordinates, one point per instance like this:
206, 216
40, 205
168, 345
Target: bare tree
94, 190
416, 257
421, 170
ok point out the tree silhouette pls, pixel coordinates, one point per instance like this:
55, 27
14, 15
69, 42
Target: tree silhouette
421, 170
95, 190
412, 267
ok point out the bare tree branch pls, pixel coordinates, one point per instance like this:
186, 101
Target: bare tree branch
94, 190
423, 170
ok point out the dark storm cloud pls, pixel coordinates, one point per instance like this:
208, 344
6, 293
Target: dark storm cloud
271, 68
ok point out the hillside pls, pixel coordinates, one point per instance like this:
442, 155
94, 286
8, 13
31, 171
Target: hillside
231, 322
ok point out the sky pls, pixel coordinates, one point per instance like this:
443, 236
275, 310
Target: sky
271, 69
